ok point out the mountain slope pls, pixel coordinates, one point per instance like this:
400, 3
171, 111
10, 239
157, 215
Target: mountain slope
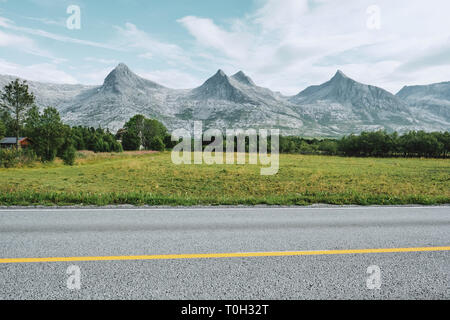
122, 95
224, 102
347, 105
429, 102
337, 107
49, 94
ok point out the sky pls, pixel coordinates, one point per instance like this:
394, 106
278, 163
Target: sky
285, 45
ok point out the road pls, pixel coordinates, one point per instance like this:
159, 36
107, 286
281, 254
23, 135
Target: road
137, 243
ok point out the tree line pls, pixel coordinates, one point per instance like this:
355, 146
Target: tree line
374, 144
51, 138
367, 144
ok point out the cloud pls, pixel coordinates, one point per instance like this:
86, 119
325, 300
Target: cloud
209, 34
301, 42
8, 24
26, 45
51, 22
43, 72
274, 17
285, 45
131, 37
93, 75
102, 61
171, 78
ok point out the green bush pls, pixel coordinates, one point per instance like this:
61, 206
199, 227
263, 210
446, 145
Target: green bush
157, 144
2, 129
69, 156
11, 158
329, 147
27, 156
140, 131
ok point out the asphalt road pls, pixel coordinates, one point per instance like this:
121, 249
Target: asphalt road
44, 233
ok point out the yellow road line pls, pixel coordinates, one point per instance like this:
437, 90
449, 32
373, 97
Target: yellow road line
222, 255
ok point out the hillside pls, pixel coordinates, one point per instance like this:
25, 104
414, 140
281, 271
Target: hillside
339, 106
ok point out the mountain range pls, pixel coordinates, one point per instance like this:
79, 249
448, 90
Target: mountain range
338, 107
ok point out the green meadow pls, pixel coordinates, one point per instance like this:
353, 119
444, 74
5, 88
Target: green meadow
151, 179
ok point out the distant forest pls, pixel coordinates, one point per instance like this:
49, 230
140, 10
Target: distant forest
374, 144
367, 144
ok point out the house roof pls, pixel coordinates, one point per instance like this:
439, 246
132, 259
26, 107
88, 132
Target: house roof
10, 140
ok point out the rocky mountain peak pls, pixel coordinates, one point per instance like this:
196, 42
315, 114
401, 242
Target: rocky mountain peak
122, 77
219, 79
221, 73
243, 78
339, 106
122, 67
120, 73
361, 98
221, 87
340, 76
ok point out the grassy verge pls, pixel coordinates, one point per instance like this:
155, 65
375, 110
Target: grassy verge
152, 179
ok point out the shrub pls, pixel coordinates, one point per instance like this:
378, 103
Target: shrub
9, 158
27, 156
2, 129
157, 144
69, 156
329, 147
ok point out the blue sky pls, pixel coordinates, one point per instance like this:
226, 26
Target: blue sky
282, 44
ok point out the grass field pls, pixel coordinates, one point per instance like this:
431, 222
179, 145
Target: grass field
152, 179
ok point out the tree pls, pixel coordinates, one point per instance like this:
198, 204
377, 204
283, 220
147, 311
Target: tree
68, 143
69, 156
140, 131
329, 147
444, 139
131, 140
157, 144
16, 100
153, 129
47, 132
97, 140
2, 130
306, 148
8, 122
350, 145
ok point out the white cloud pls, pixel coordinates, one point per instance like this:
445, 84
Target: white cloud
52, 22
274, 16
8, 24
209, 34
93, 76
26, 45
171, 78
131, 37
43, 72
285, 45
102, 61
289, 45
